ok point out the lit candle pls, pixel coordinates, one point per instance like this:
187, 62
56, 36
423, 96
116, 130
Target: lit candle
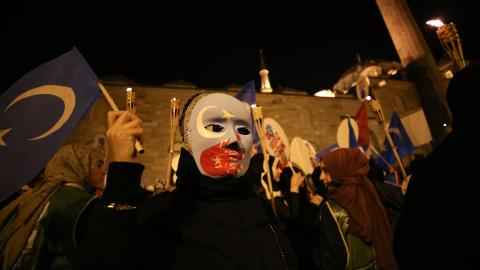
131, 104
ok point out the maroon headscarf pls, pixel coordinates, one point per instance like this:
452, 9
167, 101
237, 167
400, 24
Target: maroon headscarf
357, 195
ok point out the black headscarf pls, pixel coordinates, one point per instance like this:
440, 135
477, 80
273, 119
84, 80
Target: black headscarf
320, 187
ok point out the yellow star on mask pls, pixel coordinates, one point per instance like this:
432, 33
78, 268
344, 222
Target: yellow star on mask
217, 161
227, 115
2, 133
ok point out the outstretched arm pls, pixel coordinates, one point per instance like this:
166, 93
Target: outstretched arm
111, 225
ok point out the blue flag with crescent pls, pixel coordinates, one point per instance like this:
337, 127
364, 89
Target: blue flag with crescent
248, 94
400, 139
38, 113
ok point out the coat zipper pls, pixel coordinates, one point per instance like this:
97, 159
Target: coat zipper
279, 244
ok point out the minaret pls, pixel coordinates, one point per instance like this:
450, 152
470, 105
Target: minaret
264, 80
417, 59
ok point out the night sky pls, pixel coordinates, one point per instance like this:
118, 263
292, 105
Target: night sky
307, 44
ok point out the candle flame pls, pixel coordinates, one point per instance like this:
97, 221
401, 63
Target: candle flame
435, 23
325, 93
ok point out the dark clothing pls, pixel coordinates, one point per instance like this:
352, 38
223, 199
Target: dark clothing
437, 229
331, 246
288, 207
392, 199
72, 166
327, 248
204, 224
52, 243
301, 238
288, 211
390, 194
356, 195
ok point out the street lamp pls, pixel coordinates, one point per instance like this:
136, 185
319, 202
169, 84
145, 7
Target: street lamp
450, 41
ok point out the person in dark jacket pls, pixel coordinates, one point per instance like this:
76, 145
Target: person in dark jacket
390, 194
212, 220
437, 228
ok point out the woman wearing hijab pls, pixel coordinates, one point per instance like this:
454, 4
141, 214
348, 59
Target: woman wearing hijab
37, 228
212, 220
353, 228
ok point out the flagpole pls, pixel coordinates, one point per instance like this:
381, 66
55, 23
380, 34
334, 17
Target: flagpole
384, 160
138, 145
376, 107
378, 154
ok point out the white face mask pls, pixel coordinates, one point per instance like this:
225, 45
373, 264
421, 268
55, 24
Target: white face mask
219, 134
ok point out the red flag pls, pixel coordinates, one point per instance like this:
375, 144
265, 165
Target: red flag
362, 122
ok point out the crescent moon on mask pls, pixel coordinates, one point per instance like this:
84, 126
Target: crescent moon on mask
201, 128
66, 94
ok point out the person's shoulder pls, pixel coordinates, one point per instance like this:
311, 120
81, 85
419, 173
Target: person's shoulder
66, 195
160, 200
156, 204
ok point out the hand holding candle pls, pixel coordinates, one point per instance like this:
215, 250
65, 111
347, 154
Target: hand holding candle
131, 100
132, 107
138, 145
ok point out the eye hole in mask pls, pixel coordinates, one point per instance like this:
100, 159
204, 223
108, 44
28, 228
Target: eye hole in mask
214, 128
243, 130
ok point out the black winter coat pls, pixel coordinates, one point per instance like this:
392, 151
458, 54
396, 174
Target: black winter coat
204, 224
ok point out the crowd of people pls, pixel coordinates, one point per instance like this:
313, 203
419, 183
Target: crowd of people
221, 214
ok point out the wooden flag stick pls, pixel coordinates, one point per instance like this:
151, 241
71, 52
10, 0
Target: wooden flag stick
258, 118
138, 145
376, 107
379, 155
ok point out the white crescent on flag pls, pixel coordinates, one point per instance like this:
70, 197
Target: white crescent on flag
66, 94
396, 131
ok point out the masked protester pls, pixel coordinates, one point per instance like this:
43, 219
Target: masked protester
212, 220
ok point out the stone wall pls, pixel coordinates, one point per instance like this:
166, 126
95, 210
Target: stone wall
312, 118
